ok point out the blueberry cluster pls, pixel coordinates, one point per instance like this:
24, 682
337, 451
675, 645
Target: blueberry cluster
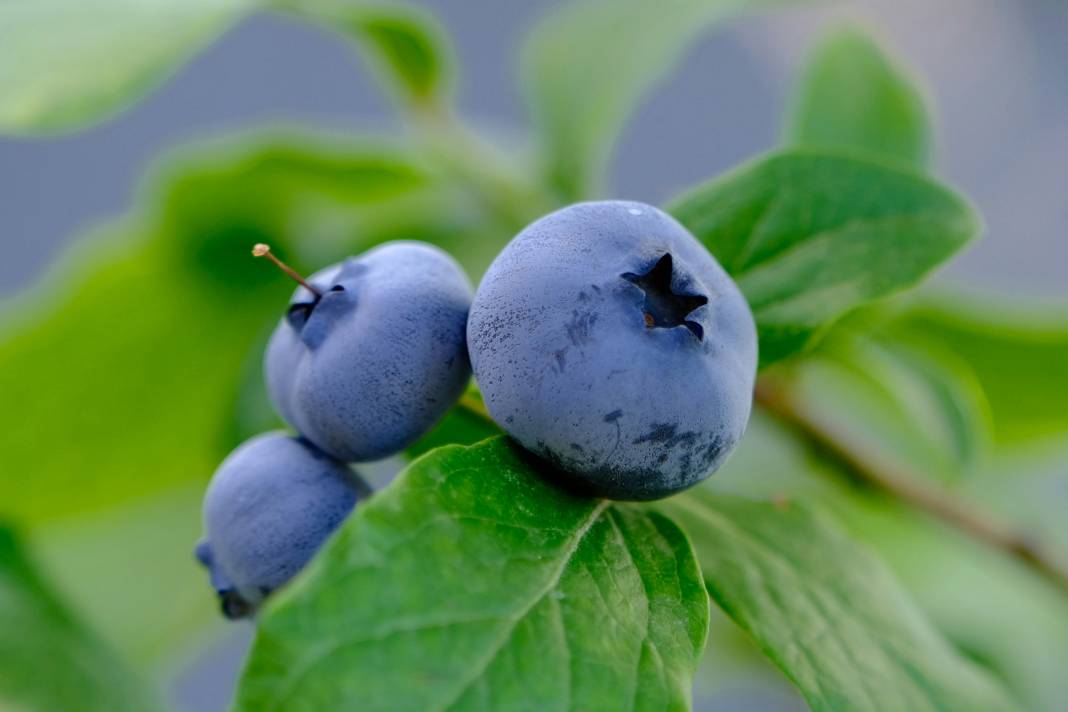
369, 355
604, 338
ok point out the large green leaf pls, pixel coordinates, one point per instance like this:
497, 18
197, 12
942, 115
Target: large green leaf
66, 63
854, 96
124, 388
472, 584
127, 362
811, 234
1018, 351
590, 63
826, 612
403, 42
48, 661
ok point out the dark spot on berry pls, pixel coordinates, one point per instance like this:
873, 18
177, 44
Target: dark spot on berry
580, 327
561, 359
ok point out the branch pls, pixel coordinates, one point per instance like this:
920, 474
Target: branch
903, 484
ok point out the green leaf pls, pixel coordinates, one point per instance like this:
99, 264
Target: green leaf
854, 96
472, 584
919, 408
956, 580
123, 389
403, 42
959, 582
589, 65
128, 360
68, 63
313, 198
1017, 350
826, 612
811, 234
157, 616
48, 661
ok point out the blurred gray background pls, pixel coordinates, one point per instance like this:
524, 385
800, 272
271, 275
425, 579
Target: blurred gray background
997, 71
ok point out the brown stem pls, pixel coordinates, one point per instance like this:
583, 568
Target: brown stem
905, 485
262, 250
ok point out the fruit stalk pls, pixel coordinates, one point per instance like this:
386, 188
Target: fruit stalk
902, 484
262, 250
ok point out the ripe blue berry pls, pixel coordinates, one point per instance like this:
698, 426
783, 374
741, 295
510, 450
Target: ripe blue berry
606, 339
269, 507
368, 365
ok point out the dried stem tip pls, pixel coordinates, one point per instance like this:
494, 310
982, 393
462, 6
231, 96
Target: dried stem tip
262, 250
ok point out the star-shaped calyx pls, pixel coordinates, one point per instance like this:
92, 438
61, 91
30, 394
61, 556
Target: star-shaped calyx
663, 307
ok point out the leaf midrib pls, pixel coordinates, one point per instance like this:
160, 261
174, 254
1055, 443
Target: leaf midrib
572, 547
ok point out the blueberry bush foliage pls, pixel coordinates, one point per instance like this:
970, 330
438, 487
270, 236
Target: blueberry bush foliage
888, 536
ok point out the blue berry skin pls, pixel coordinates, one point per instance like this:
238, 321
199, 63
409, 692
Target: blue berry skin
270, 505
606, 339
368, 369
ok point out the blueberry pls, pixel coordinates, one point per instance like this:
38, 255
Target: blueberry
608, 341
269, 507
369, 366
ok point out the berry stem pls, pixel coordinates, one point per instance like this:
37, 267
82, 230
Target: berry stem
904, 485
262, 250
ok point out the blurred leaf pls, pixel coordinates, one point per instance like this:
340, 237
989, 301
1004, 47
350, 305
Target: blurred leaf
404, 42
67, 63
309, 196
995, 611
922, 409
123, 388
315, 199
47, 660
156, 615
589, 64
826, 612
127, 362
854, 96
1018, 351
252, 408
735, 675
479, 585
810, 235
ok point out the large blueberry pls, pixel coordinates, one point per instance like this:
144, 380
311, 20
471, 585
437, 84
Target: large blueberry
369, 367
606, 339
269, 507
